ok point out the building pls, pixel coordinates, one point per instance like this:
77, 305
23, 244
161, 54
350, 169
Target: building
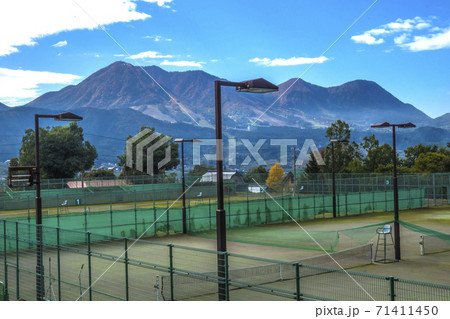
232, 176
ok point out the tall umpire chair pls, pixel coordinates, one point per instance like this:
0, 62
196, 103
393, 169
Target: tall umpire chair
383, 232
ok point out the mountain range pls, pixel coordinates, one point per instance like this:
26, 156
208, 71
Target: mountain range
189, 97
117, 100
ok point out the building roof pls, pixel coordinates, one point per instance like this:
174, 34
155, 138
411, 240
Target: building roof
211, 176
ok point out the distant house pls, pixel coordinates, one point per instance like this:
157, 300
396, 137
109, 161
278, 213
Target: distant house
288, 182
233, 176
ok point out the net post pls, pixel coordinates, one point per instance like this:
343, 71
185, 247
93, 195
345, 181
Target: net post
372, 258
422, 244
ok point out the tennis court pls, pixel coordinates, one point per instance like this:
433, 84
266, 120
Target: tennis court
70, 269
268, 254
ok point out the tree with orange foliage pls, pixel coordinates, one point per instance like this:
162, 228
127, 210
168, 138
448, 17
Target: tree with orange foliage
276, 175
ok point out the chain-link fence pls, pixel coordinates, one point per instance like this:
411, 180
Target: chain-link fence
88, 266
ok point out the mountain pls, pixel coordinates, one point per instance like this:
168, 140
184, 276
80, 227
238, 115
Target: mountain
358, 102
442, 121
167, 96
3, 107
188, 97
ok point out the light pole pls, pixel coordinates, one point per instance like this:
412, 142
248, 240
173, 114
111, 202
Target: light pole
183, 184
333, 173
40, 288
252, 86
396, 217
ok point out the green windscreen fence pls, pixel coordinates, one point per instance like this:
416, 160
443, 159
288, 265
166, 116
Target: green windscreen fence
155, 221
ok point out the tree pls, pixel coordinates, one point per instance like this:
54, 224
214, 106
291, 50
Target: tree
413, 152
200, 170
344, 153
377, 156
13, 162
312, 167
258, 174
431, 162
62, 149
101, 172
158, 155
276, 175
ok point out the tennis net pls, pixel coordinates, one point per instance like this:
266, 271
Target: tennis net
190, 285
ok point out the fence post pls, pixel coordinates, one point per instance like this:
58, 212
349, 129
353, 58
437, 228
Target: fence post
57, 208
314, 205
5, 261
227, 277
385, 200
391, 287
154, 215
248, 210
297, 282
265, 204
171, 270
229, 208
89, 265
323, 206
373, 201
360, 204
209, 210
58, 256
126, 270
434, 189
17, 260
346, 205
135, 214
167, 215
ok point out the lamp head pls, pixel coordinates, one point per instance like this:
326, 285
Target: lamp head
257, 86
67, 117
380, 125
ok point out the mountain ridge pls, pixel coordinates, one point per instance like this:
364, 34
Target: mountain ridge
188, 97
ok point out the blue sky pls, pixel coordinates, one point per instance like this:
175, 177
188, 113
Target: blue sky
402, 45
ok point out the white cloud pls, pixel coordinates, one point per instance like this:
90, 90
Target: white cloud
149, 55
20, 86
183, 63
288, 62
60, 44
401, 39
157, 38
27, 21
161, 3
367, 39
400, 25
430, 42
407, 26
